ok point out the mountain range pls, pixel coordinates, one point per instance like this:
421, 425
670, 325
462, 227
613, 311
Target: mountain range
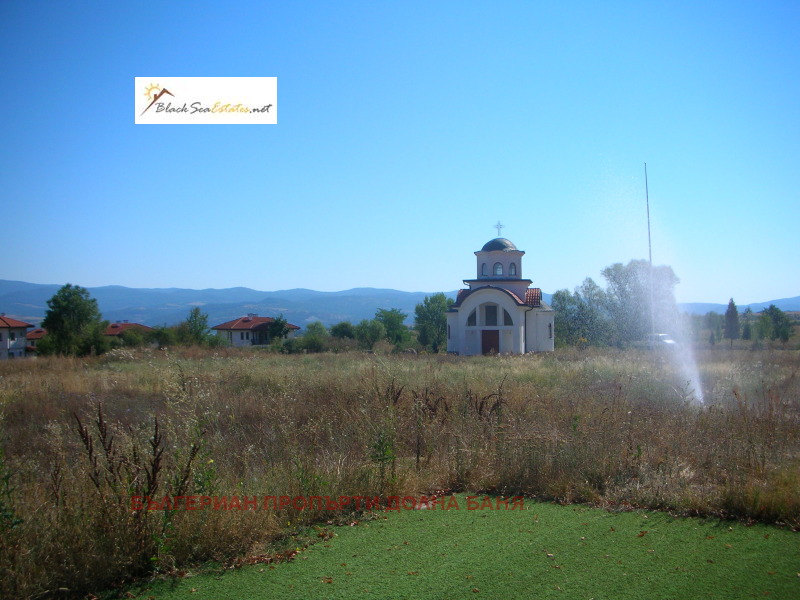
168, 306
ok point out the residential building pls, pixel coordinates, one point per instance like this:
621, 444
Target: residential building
251, 330
13, 337
34, 336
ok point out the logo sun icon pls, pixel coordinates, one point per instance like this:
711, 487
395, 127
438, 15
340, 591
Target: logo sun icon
152, 90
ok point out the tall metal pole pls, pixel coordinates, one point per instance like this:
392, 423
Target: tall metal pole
650, 253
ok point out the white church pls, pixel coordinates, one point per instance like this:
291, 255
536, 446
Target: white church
499, 312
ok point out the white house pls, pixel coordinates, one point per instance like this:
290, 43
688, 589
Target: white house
499, 312
251, 330
13, 337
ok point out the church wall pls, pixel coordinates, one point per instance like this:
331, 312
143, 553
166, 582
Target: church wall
467, 340
454, 332
541, 331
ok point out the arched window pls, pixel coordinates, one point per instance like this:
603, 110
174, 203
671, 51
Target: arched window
484, 270
490, 315
512, 269
507, 318
472, 319
498, 269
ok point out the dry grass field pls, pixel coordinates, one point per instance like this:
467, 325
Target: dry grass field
610, 428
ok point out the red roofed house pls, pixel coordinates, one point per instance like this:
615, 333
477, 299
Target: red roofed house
499, 312
117, 329
13, 337
251, 330
34, 337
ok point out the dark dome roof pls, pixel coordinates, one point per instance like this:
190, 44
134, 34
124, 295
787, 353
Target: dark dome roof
498, 244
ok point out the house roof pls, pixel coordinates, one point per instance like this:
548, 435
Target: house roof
8, 323
533, 296
37, 334
250, 323
120, 328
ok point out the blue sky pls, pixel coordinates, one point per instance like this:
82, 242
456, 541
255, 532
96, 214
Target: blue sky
406, 131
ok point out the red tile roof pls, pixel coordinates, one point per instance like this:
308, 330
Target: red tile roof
250, 322
120, 328
8, 322
36, 334
533, 296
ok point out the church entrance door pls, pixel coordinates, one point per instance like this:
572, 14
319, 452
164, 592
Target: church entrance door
490, 341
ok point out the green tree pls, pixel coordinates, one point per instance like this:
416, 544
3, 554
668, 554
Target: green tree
393, 321
628, 295
315, 338
194, 331
567, 317
197, 327
732, 322
369, 332
132, 338
278, 328
595, 324
775, 324
764, 326
714, 322
74, 324
344, 329
430, 321
582, 316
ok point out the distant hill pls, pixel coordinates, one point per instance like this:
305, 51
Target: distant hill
168, 306
701, 308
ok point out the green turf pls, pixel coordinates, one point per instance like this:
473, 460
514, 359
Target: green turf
543, 551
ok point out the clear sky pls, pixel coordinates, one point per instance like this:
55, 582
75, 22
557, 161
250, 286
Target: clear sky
406, 131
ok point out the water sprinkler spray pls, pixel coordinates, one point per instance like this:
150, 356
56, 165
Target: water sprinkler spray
650, 255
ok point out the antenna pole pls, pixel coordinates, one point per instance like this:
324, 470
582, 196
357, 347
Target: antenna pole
650, 253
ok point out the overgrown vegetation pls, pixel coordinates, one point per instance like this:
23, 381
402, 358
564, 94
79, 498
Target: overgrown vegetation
194, 331
638, 300
81, 436
768, 326
74, 324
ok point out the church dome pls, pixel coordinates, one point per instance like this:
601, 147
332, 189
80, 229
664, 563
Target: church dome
498, 244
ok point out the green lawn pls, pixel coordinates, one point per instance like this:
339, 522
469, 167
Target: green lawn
542, 551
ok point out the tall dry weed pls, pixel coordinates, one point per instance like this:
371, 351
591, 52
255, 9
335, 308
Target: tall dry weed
80, 437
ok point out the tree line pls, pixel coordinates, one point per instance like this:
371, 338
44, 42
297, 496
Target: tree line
75, 327
387, 331
638, 300
770, 324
